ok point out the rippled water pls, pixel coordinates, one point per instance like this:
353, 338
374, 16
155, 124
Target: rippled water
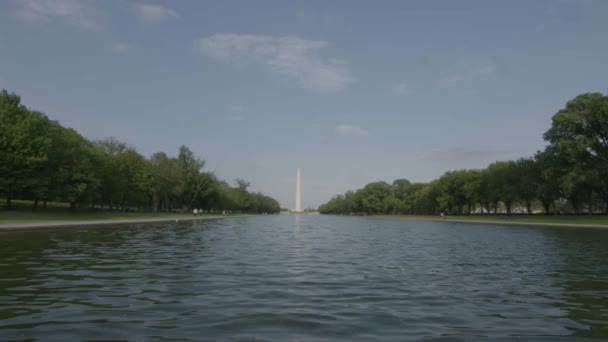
304, 278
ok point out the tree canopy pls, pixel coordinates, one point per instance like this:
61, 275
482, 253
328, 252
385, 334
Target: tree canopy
40, 160
570, 175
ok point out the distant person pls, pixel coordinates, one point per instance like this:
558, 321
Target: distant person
195, 212
442, 215
224, 212
200, 212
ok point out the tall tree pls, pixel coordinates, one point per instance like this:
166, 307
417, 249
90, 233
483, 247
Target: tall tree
192, 183
109, 173
527, 181
75, 176
579, 138
401, 188
164, 180
24, 145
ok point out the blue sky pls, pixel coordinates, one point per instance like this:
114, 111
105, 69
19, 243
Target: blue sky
350, 91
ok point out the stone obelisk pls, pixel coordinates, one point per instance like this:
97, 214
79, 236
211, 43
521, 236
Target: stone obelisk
298, 208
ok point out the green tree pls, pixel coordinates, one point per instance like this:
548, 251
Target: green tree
75, 177
192, 182
500, 177
401, 188
549, 189
164, 181
108, 169
132, 169
471, 188
527, 181
579, 138
24, 145
242, 184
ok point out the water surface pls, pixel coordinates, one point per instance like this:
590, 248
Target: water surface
304, 278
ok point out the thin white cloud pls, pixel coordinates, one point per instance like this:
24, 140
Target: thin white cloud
236, 113
480, 70
401, 88
154, 14
460, 154
295, 58
236, 109
350, 130
77, 12
577, 2
120, 47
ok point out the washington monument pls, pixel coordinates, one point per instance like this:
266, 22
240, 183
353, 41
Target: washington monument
298, 208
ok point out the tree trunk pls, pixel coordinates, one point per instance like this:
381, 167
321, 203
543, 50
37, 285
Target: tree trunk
546, 206
604, 196
35, 206
575, 206
155, 202
9, 200
529, 207
554, 209
508, 207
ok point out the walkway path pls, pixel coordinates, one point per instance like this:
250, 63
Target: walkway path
89, 223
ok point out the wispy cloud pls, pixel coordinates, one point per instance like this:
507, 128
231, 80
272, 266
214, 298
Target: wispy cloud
237, 109
560, 11
295, 58
77, 12
400, 88
460, 154
476, 71
350, 130
120, 47
577, 2
236, 113
154, 14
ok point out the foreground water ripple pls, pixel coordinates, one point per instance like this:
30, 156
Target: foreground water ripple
304, 278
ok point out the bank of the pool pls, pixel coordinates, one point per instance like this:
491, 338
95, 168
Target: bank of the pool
506, 221
94, 223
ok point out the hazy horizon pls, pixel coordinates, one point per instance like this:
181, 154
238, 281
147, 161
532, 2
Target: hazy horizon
349, 91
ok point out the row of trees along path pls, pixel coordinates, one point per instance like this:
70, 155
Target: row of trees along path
41, 161
570, 175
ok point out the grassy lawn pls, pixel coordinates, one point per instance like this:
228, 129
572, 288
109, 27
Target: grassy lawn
56, 212
8, 217
582, 219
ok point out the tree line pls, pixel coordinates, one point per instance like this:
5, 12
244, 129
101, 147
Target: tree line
569, 176
42, 161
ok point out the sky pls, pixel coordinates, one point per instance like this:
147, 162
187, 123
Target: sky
349, 91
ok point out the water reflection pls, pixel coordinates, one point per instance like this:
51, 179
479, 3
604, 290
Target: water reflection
297, 222
582, 273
